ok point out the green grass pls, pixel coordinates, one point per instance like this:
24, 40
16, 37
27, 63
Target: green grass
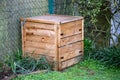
86, 70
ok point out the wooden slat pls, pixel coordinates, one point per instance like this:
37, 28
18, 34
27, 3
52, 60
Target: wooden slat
70, 47
70, 51
71, 39
38, 56
40, 45
39, 25
40, 51
70, 28
42, 39
67, 29
70, 62
39, 21
70, 55
40, 32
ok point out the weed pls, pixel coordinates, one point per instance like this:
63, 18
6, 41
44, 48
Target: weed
22, 65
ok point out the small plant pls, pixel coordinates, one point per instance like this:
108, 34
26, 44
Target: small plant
88, 47
22, 65
109, 56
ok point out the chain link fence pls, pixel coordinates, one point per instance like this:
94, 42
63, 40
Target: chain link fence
10, 13
12, 10
64, 7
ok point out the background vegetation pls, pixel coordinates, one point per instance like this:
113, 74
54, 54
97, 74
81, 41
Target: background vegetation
97, 16
101, 61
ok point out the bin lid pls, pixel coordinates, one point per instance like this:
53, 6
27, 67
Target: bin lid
52, 19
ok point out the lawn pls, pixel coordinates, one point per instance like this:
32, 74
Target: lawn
86, 70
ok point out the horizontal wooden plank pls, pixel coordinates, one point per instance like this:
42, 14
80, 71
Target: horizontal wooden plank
70, 55
42, 39
70, 62
67, 29
40, 45
38, 56
70, 39
39, 25
39, 51
40, 32
70, 28
70, 51
70, 47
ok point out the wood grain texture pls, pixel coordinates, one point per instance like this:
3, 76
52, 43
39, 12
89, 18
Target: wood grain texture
71, 28
67, 29
40, 32
78, 27
38, 51
83, 35
41, 39
70, 51
38, 56
70, 39
56, 65
52, 19
59, 38
70, 62
23, 37
40, 45
39, 26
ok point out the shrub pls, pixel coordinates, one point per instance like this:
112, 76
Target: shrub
109, 56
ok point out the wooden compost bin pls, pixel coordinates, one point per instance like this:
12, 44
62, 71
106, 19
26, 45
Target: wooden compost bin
58, 37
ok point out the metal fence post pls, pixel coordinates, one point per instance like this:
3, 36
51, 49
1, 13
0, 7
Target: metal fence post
51, 6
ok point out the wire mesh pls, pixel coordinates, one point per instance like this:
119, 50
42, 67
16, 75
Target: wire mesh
64, 7
12, 10
10, 13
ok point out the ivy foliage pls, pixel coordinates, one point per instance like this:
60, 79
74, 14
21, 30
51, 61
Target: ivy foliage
89, 9
97, 15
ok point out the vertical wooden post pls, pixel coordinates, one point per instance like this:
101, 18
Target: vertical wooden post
83, 35
56, 46
23, 38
